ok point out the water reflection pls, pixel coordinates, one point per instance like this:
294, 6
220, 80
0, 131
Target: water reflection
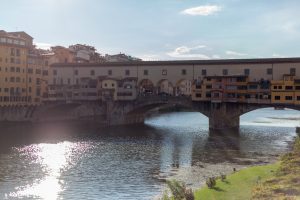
84, 162
53, 159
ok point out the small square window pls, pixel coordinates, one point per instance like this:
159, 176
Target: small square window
246, 71
145, 72
225, 72
183, 71
109, 72
127, 72
164, 72
293, 71
269, 71
92, 72
203, 72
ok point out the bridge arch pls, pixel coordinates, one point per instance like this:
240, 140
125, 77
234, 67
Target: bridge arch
251, 108
183, 87
146, 87
164, 86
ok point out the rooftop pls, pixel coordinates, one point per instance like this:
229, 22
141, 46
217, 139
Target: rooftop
184, 62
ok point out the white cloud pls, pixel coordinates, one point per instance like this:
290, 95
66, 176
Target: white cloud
150, 57
202, 10
276, 55
234, 53
184, 52
45, 46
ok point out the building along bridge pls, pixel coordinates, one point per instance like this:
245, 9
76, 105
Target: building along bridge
125, 93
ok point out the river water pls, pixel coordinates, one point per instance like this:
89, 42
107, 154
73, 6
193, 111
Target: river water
64, 161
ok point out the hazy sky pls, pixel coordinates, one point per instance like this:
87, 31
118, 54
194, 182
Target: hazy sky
162, 29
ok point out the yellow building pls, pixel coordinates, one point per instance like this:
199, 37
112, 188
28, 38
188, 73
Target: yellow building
21, 70
286, 91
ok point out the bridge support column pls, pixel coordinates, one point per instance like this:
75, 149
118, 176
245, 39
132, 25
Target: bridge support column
223, 116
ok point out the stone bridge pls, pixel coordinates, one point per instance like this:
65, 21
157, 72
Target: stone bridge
221, 115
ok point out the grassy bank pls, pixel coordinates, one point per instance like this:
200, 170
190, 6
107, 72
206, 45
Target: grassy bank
238, 185
274, 181
286, 183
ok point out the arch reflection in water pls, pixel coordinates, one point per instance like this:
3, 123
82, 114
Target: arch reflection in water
178, 137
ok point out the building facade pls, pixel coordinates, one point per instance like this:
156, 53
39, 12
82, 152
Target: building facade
23, 70
247, 80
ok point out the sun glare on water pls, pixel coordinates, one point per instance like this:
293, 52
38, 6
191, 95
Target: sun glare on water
54, 159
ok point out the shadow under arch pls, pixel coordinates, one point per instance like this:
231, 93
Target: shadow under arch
164, 86
183, 87
146, 86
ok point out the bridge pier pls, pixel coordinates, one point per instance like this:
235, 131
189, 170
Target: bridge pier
224, 116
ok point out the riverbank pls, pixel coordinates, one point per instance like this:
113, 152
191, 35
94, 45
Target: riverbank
280, 180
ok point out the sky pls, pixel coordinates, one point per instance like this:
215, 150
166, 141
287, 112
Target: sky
162, 29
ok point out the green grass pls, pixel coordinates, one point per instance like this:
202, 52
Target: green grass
238, 185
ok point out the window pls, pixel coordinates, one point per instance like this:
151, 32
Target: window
288, 98
145, 72
18, 69
29, 80
55, 72
280, 87
208, 95
18, 52
92, 72
12, 69
203, 72
37, 71
164, 72
298, 98
12, 52
208, 86
198, 95
225, 72
275, 87
12, 79
69, 81
30, 71
127, 72
29, 89
45, 72
18, 79
183, 71
113, 85
297, 87
12, 60
277, 97
76, 72
38, 92
293, 71
289, 87
269, 71
38, 81
109, 72
246, 71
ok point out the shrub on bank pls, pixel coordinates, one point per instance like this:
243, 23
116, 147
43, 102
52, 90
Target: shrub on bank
178, 190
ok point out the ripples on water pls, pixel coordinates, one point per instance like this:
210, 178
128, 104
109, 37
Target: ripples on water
84, 162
